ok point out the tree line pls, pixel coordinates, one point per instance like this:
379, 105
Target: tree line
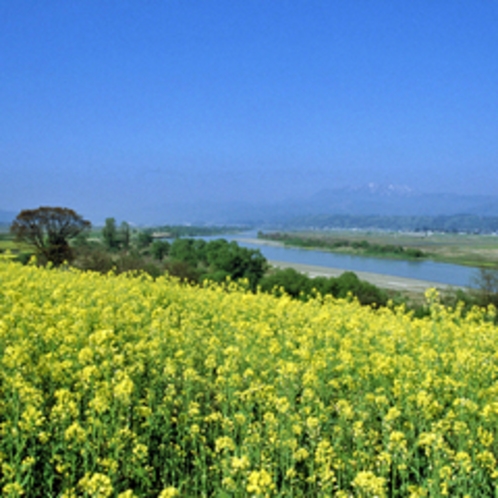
361, 246
60, 236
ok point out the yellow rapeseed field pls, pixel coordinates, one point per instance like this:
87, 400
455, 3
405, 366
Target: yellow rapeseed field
120, 386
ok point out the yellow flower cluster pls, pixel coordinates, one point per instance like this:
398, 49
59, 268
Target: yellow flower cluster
124, 386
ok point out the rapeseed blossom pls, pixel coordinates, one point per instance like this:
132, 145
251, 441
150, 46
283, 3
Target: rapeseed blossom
124, 386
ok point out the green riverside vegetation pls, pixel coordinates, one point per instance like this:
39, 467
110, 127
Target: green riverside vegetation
360, 247
122, 248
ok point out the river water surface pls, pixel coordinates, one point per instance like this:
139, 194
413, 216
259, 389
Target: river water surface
442, 273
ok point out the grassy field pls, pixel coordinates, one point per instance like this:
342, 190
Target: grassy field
463, 249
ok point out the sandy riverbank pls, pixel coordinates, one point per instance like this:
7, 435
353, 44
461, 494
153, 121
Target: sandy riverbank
382, 281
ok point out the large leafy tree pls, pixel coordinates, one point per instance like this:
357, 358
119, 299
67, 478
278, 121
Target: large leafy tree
49, 230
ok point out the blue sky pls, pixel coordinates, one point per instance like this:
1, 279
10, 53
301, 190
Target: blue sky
110, 106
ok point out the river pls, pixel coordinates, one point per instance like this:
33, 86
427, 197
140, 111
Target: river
430, 271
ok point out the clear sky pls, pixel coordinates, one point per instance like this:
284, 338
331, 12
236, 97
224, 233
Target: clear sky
107, 106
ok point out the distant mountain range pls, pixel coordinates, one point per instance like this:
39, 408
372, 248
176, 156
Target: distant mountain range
371, 200
368, 200
396, 200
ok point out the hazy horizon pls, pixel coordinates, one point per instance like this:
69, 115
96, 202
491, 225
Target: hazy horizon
115, 108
